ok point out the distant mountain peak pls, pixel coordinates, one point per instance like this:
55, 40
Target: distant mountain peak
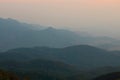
51, 29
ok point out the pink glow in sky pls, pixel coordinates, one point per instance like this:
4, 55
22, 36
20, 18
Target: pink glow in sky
88, 15
64, 1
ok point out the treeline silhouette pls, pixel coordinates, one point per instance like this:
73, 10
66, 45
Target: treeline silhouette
7, 75
4, 75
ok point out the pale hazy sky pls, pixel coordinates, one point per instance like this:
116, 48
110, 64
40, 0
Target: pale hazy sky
94, 16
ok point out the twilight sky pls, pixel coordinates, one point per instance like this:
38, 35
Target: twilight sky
94, 16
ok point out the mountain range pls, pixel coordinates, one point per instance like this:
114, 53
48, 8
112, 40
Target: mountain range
82, 56
15, 34
47, 53
82, 62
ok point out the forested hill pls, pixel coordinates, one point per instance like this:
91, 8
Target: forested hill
82, 56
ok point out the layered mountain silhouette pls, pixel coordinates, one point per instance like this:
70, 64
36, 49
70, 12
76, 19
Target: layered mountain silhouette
82, 56
60, 60
15, 34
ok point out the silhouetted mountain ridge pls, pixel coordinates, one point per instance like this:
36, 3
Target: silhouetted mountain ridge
15, 34
84, 56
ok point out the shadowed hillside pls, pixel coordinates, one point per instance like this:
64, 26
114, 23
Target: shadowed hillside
37, 70
110, 76
82, 56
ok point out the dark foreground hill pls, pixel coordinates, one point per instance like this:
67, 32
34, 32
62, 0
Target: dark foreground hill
80, 62
40, 66
82, 56
37, 70
110, 76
